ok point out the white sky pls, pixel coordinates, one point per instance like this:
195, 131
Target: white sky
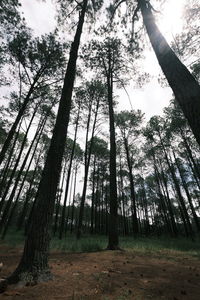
152, 98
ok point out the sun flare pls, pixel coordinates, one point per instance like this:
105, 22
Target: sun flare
171, 20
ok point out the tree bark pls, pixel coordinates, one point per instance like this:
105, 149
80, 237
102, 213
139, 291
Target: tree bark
113, 239
186, 89
135, 220
33, 266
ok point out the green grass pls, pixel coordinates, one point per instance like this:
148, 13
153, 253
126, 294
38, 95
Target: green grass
163, 246
140, 245
85, 244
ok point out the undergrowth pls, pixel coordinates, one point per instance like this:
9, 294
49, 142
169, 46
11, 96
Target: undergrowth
140, 245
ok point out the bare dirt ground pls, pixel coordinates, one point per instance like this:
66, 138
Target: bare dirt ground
105, 275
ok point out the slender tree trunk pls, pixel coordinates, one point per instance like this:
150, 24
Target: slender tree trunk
8, 166
9, 183
196, 220
68, 209
113, 239
189, 153
163, 205
74, 193
34, 262
135, 220
186, 89
147, 225
123, 199
169, 204
178, 190
93, 195
12, 194
59, 198
21, 219
19, 116
87, 165
39, 131
11, 158
96, 200
62, 224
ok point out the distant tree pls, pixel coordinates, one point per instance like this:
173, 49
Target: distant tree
106, 57
129, 123
93, 97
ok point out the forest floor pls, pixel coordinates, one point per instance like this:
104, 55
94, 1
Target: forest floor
138, 274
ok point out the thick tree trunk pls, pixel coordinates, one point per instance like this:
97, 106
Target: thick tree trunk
186, 89
33, 266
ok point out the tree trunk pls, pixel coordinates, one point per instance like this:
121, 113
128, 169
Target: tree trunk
33, 266
74, 194
186, 89
135, 220
87, 165
17, 179
19, 116
196, 220
169, 204
9, 183
93, 196
22, 216
62, 223
113, 239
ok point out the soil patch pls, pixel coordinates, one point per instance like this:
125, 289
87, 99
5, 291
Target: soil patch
108, 275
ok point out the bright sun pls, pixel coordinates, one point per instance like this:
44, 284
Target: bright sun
170, 22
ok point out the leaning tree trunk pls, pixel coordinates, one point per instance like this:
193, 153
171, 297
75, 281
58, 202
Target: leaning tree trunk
13, 173
177, 187
190, 200
164, 185
186, 89
19, 116
33, 266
